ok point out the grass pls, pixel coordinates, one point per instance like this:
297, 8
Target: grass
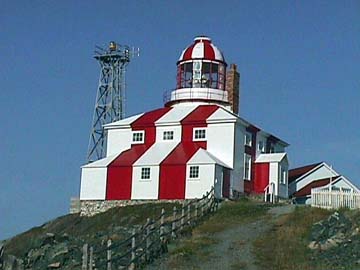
86, 227
190, 252
285, 246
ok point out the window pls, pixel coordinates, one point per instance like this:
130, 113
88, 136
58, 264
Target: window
261, 147
194, 172
247, 167
168, 135
138, 137
145, 173
199, 134
248, 138
283, 175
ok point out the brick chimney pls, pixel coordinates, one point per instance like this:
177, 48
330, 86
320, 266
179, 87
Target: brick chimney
233, 87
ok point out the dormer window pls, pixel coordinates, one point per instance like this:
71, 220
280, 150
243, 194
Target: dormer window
168, 135
199, 134
248, 138
138, 137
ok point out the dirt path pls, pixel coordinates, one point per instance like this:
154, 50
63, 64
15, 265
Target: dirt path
232, 247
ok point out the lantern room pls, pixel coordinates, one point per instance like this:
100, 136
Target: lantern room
201, 75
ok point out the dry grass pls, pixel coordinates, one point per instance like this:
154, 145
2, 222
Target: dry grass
285, 246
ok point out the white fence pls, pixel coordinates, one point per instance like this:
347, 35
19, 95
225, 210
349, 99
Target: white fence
335, 199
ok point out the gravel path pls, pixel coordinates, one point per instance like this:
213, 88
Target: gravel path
233, 248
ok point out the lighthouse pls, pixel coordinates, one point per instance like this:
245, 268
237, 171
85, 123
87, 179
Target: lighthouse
196, 142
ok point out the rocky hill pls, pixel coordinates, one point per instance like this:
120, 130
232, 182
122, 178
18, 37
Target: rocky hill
58, 243
249, 235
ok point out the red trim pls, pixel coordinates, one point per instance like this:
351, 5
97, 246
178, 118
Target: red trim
173, 168
262, 177
314, 184
119, 173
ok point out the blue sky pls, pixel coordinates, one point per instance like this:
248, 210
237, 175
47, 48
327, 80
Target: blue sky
299, 63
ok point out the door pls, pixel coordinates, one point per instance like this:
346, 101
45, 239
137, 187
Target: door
226, 183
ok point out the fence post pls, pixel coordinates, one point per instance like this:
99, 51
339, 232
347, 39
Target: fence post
85, 257
182, 216
189, 213
133, 255
196, 211
91, 258
108, 254
173, 225
148, 240
202, 206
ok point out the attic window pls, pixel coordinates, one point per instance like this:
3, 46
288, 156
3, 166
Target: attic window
199, 134
168, 135
138, 136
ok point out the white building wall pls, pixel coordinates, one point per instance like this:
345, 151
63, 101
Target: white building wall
220, 142
274, 176
118, 140
196, 188
93, 183
283, 188
175, 128
239, 150
145, 189
218, 185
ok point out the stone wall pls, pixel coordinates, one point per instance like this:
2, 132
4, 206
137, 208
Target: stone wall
90, 208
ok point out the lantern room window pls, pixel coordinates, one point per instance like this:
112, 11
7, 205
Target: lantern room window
201, 74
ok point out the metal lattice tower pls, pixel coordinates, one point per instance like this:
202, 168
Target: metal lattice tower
110, 98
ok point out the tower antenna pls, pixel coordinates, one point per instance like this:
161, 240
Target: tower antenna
110, 98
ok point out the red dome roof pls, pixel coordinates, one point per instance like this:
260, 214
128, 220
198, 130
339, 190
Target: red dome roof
202, 48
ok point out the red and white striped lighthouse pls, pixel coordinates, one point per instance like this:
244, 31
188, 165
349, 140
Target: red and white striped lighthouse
194, 143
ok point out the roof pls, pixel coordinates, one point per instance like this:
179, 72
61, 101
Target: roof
300, 171
101, 163
274, 157
305, 191
123, 122
202, 48
202, 156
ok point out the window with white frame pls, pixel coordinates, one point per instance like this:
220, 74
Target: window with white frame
138, 136
199, 134
283, 175
247, 167
261, 146
194, 172
248, 138
168, 135
145, 173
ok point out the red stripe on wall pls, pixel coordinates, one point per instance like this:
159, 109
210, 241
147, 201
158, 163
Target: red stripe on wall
173, 168
119, 173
